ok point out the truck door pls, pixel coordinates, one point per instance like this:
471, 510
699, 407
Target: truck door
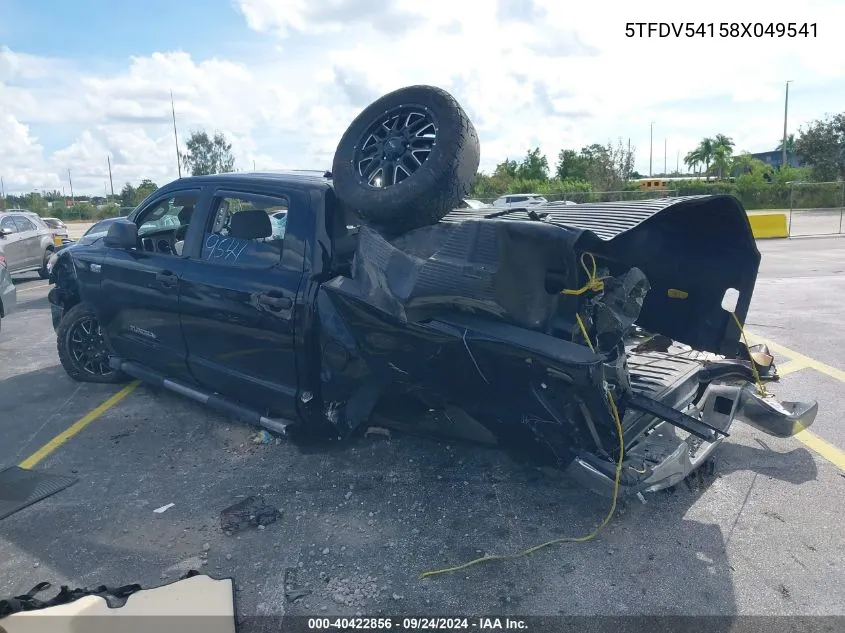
139, 291
238, 300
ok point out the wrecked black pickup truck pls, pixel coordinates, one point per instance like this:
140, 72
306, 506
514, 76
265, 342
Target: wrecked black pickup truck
595, 338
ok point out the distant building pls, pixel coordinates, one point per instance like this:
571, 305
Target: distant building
775, 158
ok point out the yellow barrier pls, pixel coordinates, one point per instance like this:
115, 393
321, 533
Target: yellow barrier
765, 225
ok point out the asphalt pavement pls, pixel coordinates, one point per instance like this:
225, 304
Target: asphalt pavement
360, 521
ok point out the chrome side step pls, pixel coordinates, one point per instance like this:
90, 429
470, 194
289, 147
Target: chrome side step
214, 400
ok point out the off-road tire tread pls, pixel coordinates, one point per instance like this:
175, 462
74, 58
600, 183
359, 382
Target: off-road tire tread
65, 356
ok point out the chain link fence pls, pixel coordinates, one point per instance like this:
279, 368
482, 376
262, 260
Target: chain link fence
816, 208
581, 197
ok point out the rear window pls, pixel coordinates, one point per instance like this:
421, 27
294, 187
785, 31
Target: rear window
54, 224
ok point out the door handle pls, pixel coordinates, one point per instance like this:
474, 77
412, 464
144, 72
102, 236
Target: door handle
275, 303
166, 279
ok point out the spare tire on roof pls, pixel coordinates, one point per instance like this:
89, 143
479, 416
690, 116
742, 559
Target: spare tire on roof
407, 160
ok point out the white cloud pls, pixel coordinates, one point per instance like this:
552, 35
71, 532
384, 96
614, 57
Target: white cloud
528, 72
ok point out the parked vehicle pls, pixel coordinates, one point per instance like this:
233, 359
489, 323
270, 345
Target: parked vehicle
594, 340
95, 232
8, 293
27, 242
519, 200
469, 203
60, 232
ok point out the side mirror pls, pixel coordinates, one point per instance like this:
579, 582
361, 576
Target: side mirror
122, 234
4, 232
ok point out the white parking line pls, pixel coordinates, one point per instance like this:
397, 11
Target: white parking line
29, 288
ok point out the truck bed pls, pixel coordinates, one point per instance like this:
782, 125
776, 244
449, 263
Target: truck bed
668, 376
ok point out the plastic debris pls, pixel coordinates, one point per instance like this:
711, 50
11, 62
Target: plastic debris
164, 508
262, 437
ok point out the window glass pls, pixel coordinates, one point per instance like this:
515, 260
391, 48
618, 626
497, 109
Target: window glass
8, 223
24, 224
246, 230
167, 215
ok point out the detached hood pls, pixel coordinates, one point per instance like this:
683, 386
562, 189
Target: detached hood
699, 245
511, 264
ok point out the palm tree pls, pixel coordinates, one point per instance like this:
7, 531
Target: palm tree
705, 152
693, 159
790, 145
723, 147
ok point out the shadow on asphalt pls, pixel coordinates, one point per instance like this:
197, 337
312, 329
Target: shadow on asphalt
373, 513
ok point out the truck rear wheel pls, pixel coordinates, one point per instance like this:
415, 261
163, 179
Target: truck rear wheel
407, 160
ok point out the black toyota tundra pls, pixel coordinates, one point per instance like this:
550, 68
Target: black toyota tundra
604, 339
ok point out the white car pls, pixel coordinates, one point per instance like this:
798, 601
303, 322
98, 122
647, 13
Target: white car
469, 203
519, 200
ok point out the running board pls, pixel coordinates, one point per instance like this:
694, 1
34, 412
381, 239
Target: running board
677, 418
214, 400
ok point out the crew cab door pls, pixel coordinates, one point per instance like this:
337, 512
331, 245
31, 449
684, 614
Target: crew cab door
238, 300
138, 301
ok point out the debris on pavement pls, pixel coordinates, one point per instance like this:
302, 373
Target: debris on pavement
252, 511
262, 437
292, 592
164, 508
377, 430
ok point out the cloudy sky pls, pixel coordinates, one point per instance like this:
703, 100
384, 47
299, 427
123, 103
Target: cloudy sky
83, 80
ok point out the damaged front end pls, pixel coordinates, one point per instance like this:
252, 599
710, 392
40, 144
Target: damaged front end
530, 323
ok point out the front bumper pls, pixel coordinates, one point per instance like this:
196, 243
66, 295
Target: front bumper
56, 309
666, 455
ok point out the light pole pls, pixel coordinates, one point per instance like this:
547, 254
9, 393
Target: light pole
650, 148
785, 111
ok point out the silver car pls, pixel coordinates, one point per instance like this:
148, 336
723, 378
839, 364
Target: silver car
8, 293
26, 241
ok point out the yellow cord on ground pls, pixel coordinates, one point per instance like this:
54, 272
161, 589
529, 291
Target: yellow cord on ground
580, 539
757, 378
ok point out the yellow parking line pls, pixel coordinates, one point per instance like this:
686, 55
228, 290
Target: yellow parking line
77, 426
831, 453
790, 367
796, 362
833, 372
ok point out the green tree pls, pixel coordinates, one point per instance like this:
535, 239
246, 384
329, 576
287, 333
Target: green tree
790, 145
693, 159
705, 152
506, 169
534, 166
143, 190
127, 195
822, 146
208, 155
571, 165
607, 167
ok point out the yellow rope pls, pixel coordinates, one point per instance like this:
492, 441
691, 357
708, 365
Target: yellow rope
594, 283
757, 379
580, 539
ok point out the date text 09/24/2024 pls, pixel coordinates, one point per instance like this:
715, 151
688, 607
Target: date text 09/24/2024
721, 29
417, 624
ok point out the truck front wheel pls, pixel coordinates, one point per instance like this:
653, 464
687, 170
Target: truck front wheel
83, 347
